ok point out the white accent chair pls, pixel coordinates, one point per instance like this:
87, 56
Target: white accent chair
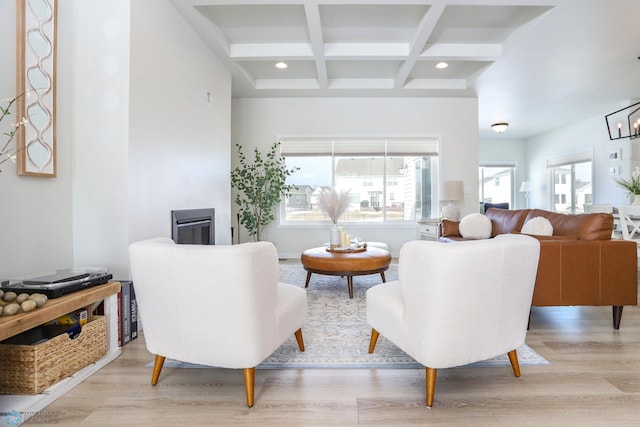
456, 304
218, 306
629, 217
598, 208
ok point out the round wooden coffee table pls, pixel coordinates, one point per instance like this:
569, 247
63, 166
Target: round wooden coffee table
321, 261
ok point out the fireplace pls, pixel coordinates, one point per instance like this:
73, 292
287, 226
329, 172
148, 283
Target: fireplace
193, 226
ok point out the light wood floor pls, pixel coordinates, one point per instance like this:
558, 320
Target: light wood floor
594, 380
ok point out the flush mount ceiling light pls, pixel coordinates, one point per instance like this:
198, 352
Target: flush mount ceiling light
281, 65
442, 65
499, 127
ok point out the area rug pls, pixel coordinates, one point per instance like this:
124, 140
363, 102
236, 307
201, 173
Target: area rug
336, 334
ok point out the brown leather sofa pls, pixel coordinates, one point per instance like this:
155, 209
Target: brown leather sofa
579, 265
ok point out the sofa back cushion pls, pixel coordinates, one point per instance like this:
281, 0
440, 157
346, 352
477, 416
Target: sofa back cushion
450, 228
594, 226
505, 221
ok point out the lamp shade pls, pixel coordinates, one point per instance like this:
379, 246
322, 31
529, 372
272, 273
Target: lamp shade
452, 190
525, 187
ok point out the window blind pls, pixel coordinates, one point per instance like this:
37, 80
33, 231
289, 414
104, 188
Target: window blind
569, 159
358, 146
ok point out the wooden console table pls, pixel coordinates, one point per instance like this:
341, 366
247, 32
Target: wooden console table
29, 405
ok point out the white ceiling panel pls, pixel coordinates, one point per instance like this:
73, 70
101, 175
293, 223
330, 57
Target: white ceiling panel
539, 64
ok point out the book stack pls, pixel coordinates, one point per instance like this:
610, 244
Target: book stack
127, 313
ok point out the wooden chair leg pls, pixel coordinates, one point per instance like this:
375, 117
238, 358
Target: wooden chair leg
157, 367
513, 358
431, 385
384, 279
374, 339
249, 382
299, 339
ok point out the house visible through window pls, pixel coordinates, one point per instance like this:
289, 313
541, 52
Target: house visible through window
389, 180
571, 177
497, 183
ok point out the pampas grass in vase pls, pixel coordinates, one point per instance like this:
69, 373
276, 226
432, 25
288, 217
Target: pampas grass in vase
333, 203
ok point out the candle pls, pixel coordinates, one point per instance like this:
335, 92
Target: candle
619, 130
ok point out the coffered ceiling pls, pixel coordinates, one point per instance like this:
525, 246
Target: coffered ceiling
536, 64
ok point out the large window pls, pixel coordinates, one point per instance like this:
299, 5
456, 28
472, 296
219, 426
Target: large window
570, 179
497, 184
389, 180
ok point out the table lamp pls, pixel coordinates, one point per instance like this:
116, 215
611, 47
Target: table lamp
451, 192
526, 188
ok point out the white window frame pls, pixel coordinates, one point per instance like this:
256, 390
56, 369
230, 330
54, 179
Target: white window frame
339, 146
567, 160
513, 173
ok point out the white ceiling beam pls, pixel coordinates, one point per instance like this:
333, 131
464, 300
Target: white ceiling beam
457, 84
287, 84
427, 24
314, 26
213, 37
361, 84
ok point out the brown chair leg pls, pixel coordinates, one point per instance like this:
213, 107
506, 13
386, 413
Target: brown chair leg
431, 385
513, 358
157, 367
249, 381
299, 339
384, 279
374, 339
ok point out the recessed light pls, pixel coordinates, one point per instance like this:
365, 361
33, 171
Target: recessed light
281, 65
442, 65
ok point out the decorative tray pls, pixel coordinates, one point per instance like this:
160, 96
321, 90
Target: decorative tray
348, 249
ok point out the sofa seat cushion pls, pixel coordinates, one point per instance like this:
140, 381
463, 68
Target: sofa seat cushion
594, 226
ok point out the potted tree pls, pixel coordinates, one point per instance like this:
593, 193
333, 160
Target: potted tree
261, 185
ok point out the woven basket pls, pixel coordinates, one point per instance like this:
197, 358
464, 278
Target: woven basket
29, 369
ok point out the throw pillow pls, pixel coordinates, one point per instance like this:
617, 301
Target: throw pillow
538, 226
475, 226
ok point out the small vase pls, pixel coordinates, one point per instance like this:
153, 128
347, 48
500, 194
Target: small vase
636, 200
334, 240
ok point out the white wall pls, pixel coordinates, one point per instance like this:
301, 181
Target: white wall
135, 138
35, 213
97, 97
512, 151
258, 122
586, 136
179, 152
